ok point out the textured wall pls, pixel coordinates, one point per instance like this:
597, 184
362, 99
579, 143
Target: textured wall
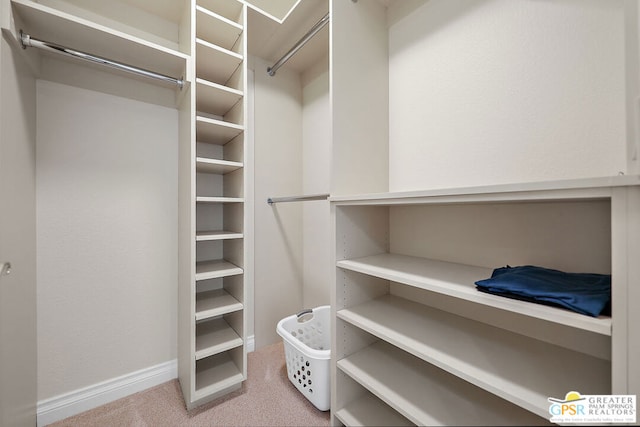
106, 236
316, 159
278, 172
495, 91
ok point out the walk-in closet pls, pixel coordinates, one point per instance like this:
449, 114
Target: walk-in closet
179, 176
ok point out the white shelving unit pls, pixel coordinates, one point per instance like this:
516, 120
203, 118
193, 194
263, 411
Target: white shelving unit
212, 332
413, 332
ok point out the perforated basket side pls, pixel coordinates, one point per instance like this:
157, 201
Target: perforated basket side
310, 376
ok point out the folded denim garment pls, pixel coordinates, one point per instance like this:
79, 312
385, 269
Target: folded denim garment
583, 293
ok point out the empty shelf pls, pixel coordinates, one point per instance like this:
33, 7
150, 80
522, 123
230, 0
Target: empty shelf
215, 99
208, 199
216, 373
425, 394
215, 63
204, 236
370, 411
501, 362
214, 131
229, 9
458, 280
216, 29
215, 166
215, 336
216, 269
215, 303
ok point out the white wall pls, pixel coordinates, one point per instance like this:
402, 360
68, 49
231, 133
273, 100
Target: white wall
106, 236
277, 172
292, 145
18, 351
316, 177
570, 236
497, 91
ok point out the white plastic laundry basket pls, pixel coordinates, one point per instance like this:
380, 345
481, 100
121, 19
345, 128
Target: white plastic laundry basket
307, 348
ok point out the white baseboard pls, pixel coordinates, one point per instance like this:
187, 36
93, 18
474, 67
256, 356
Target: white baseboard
75, 402
72, 403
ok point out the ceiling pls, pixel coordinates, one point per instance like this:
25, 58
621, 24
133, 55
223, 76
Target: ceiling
277, 9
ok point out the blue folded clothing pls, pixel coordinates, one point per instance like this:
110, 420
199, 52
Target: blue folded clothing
584, 293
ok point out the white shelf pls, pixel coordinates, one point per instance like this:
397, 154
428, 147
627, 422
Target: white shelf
216, 166
458, 280
207, 199
214, 337
215, 303
583, 188
370, 411
204, 236
501, 362
215, 63
229, 9
214, 374
217, 132
214, 98
216, 269
216, 29
426, 395
61, 28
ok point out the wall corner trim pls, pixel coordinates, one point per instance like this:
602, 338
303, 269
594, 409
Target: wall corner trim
251, 343
68, 404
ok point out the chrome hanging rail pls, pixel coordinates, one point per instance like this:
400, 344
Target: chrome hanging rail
27, 41
272, 200
312, 32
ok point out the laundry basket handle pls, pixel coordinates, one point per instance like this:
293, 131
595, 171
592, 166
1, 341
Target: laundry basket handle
302, 316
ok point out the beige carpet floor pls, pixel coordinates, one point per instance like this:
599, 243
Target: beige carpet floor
267, 398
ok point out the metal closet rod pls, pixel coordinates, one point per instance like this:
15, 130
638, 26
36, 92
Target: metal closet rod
27, 41
272, 200
312, 32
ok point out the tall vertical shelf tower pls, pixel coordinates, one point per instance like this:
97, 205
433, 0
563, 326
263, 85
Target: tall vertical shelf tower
212, 315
